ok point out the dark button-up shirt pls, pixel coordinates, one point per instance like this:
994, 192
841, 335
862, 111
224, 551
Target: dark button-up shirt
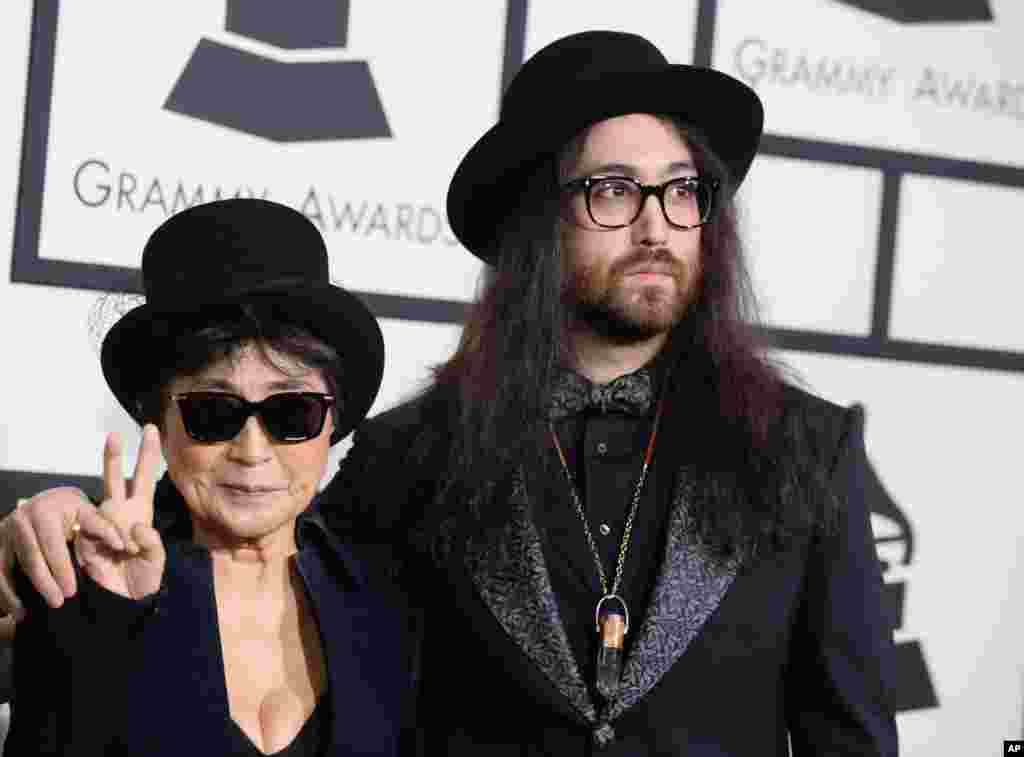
605, 454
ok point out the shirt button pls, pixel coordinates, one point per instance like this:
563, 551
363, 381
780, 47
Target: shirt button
605, 529
602, 448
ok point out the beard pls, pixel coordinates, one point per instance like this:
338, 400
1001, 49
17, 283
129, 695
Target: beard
627, 312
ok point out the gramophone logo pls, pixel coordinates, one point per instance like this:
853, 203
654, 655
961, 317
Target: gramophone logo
926, 11
280, 100
913, 688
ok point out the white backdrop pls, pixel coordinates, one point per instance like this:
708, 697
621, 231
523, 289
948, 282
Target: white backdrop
882, 221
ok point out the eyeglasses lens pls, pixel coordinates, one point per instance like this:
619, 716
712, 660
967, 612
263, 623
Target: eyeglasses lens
687, 202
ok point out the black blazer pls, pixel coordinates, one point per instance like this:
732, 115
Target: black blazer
103, 675
733, 658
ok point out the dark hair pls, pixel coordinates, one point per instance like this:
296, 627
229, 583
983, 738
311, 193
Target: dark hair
515, 337
222, 333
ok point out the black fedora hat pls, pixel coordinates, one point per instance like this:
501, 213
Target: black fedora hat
577, 81
232, 252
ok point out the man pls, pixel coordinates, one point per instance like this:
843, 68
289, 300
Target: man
627, 532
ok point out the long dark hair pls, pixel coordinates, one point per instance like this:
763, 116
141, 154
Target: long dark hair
515, 337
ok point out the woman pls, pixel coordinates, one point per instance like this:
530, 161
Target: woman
248, 629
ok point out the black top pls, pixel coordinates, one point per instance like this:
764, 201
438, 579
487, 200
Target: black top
605, 452
310, 741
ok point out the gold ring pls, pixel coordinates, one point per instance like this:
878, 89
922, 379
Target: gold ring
76, 527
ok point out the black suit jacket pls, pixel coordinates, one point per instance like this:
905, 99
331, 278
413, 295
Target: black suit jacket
734, 658
103, 675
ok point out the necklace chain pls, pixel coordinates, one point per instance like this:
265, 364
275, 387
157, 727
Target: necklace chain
635, 505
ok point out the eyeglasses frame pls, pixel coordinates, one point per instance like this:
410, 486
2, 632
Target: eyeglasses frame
584, 184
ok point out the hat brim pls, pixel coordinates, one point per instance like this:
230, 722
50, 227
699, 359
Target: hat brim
727, 112
135, 349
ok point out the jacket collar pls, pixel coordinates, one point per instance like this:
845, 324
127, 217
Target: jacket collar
508, 569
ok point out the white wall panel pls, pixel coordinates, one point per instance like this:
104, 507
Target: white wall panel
811, 230
959, 264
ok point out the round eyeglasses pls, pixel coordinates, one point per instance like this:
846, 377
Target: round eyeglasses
613, 202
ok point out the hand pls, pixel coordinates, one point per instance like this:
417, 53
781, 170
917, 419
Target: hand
36, 534
135, 569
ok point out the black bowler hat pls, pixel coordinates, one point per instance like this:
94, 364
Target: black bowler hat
577, 81
233, 252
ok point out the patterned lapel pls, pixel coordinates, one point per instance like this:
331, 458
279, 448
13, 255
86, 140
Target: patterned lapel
512, 578
689, 587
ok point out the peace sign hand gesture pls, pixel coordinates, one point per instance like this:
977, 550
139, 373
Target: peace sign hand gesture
135, 571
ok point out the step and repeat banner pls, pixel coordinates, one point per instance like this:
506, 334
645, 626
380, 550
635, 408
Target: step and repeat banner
882, 219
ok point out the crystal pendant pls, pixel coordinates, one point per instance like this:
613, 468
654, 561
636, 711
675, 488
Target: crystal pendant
612, 625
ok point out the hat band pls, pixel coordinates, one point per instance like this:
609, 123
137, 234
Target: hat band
229, 291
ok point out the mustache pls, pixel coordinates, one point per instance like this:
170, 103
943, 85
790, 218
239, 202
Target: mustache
588, 279
660, 255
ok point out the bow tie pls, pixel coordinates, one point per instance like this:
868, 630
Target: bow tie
632, 394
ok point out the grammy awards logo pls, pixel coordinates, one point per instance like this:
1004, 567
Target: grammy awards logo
926, 11
913, 689
277, 100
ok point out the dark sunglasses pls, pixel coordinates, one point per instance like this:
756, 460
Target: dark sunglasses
289, 417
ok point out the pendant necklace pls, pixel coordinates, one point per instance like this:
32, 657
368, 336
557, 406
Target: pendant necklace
611, 614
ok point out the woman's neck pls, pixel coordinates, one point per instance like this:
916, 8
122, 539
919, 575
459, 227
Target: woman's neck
267, 554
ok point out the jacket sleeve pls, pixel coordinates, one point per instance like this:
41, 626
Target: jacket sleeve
67, 669
366, 502
387, 480
359, 502
41, 708
839, 681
